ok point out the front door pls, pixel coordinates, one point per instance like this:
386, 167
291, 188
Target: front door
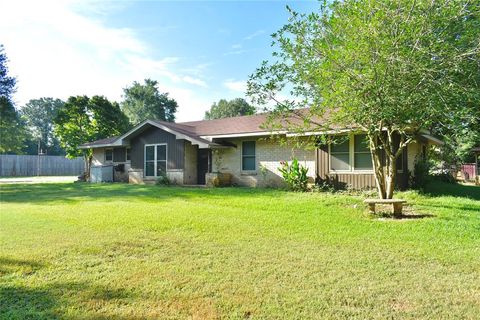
203, 164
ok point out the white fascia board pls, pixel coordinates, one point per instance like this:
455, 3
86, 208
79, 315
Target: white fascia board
177, 134
138, 126
105, 145
434, 140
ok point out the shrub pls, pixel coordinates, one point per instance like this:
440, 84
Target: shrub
295, 175
444, 176
163, 180
324, 185
421, 173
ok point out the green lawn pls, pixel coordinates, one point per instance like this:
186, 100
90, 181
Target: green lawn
80, 251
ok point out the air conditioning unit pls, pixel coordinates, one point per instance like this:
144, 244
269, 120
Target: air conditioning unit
100, 174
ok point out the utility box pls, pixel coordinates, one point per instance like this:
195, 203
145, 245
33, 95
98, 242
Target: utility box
100, 174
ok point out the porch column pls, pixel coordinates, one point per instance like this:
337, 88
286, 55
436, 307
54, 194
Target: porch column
209, 168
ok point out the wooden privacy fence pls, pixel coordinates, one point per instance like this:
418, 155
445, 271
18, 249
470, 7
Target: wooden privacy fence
26, 166
469, 170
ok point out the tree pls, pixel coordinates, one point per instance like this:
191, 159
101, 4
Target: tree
460, 136
39, 115
12, 134
83, 119
387, 68
232, 108
143, 102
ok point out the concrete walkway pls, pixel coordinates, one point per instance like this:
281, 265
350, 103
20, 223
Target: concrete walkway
51, 179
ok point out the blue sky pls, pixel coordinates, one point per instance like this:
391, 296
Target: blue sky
198, 51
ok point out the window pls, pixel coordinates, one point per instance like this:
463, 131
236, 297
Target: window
108, 154
340, 155
400, 162
362, 158
351, 154
127, 154
248, 155
155, 160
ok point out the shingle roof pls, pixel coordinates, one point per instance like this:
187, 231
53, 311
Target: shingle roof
226, 126
101, 141
233, 125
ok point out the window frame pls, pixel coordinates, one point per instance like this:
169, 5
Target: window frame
351, 157
360, 152
254, 156
126, 154
155, 160
105, 155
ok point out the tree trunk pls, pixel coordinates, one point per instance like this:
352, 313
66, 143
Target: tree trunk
391, 176
385, 176
377, 167
88, 165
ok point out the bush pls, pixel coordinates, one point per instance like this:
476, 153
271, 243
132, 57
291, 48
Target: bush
444, 176
325, 186
163, 180
421, 173
295, 175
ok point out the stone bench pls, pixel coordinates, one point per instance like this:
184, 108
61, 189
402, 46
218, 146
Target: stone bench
397, 205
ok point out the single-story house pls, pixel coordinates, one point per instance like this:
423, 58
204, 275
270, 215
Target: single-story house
190, 153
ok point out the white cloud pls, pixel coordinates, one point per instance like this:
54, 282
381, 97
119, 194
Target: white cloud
194, 81
235, 52
237, 86
63, 48
254, 35
236, 46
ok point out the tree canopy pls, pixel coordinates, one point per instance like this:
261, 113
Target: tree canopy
388, 68
144, 101
83, 119
39, 115
12, 133
232, 108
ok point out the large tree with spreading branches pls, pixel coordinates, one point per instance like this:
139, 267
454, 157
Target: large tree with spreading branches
12, 132
229, 108
39, 115
144, 101
82, 119
386, 68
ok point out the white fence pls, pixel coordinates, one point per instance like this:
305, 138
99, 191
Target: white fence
27, 166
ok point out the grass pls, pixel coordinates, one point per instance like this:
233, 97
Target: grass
80, 251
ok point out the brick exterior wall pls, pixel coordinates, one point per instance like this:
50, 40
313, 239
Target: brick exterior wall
269, 154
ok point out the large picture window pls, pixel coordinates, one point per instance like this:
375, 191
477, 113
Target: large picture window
340, 155
155, 160
350, 154
362, 156
248, 155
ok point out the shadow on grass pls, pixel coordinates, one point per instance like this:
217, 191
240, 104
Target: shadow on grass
410, 216
48, 302
77, 192
441, 189
8, 265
